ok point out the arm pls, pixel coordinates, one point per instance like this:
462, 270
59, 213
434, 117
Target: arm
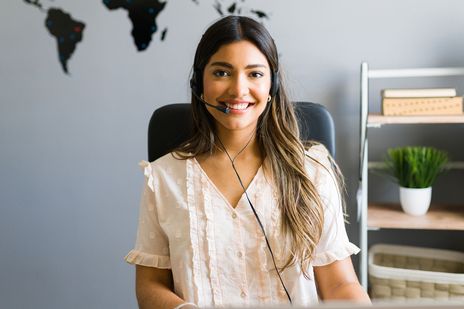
154, 288
338, 281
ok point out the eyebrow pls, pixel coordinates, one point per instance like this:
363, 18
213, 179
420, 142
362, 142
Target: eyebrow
228, 65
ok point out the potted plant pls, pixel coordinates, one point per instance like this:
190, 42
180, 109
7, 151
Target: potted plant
415, 170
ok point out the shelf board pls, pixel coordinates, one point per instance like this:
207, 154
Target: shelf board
416, 72
378, 119
379, 165
439, 217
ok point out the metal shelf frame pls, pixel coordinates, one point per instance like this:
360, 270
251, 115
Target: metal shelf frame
362, 201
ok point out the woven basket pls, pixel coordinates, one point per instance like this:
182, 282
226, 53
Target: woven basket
412, 273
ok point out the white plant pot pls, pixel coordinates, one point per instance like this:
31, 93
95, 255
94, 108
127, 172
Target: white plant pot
415, 201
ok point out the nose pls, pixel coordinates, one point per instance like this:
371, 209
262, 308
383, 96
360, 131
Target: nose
239, 86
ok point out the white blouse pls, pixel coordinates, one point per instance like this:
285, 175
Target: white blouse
217, 254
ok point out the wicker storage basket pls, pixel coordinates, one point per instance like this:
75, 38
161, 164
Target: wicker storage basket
413, 273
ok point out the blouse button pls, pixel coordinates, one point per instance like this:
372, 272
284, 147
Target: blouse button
243, 294
234, 215
240, 254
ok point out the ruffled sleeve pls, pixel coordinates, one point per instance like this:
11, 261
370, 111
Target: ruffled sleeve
334, 244
152, 246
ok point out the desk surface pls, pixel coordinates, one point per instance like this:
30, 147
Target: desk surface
379, 305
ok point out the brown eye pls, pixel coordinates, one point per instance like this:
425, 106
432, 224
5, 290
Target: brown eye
257, 74
221, 73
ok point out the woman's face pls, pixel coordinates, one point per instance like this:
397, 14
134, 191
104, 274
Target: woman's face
237, 76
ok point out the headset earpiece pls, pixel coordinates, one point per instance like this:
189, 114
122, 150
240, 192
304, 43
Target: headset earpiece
275, 83
195, 84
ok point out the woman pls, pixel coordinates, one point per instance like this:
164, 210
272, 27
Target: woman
242, 214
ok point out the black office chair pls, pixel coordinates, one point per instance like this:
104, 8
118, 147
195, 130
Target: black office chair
170, 125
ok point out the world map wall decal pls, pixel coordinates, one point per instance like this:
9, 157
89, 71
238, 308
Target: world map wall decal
69, 32
142, 14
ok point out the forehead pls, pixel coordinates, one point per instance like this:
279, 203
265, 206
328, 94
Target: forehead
241, 53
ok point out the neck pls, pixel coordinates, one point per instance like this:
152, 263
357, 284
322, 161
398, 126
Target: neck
238, 142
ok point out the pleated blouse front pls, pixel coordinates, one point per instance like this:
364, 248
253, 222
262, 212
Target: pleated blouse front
218, 254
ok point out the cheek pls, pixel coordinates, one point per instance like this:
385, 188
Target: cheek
212, 89
262, 90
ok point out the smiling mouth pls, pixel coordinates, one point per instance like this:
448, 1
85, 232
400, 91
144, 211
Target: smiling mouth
237, 106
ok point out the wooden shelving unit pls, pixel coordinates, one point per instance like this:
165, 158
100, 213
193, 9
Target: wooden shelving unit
373, 216
439, 217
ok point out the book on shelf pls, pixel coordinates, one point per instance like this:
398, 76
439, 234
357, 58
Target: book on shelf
422, 106
419, 93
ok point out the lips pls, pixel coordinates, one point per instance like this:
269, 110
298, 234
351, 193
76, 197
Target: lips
240, 106
236, 104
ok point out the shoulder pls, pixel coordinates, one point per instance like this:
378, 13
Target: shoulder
326, 177
318, 161
317, 156
317, 151
168, 160
166, 163
164, 168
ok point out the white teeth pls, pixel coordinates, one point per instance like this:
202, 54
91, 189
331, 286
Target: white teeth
239, 106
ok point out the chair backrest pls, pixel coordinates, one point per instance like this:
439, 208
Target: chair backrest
170, 125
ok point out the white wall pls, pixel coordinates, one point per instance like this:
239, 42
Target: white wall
69, 145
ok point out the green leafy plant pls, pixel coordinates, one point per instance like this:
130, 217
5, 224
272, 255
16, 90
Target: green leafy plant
415, 167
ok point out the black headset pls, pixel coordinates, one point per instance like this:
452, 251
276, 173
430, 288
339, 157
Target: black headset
196, 82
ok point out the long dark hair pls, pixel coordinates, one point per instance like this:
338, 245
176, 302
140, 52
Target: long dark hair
277, 135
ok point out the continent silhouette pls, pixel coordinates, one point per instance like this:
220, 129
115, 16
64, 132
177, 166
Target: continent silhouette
67, 32
143, 14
